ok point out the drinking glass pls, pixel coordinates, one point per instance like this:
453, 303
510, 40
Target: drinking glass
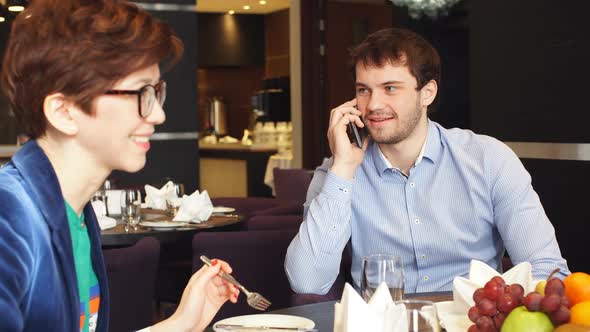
131, 208
380, 268
175, 200
420, 316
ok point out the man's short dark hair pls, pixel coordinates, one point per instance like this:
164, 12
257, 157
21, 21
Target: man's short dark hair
399, 47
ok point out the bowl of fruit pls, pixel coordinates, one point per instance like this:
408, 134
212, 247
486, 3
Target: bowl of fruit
550, 307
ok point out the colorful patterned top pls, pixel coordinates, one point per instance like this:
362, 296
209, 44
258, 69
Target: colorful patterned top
87, 281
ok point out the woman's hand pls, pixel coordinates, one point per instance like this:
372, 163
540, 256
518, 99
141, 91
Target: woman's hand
347, 157
204, 294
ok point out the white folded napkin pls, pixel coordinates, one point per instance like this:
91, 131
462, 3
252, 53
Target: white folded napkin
453, 315
156, 198
195, 208
353, 314
104, 222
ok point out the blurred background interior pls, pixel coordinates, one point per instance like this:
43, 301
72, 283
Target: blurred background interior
259, 78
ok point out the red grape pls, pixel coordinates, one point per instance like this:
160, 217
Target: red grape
561, 316
565, 301
550, 303
499, 319
554, 286
478, 295
485, 323
487, 307
473, 314
493, 290
506, 302
473, 328
498, 280
533, 301
518, 292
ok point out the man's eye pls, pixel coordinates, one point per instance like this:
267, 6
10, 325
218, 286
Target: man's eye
362, 91
389, 88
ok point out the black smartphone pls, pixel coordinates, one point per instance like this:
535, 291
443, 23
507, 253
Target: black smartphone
356, 135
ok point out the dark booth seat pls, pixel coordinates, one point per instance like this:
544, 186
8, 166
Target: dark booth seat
131, 272
257, 259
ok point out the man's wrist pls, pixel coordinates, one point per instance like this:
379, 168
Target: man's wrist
343, 171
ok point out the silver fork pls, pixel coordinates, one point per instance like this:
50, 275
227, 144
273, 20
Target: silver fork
255, 300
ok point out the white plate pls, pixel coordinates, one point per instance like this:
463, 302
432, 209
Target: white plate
267, 320
223, 209
162, 224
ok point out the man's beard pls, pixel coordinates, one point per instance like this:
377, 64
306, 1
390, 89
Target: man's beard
385, 136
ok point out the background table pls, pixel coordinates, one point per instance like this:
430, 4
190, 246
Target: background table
117, 236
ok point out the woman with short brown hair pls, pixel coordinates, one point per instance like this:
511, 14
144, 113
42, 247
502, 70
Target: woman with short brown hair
83, 79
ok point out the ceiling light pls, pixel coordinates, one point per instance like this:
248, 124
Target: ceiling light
262, 2
16, 8
231, 12
431, 8
2, 19
246, 7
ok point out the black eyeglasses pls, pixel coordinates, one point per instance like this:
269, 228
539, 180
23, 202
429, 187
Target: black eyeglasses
147, 95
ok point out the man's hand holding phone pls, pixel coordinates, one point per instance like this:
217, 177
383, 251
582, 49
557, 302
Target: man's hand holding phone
347, 156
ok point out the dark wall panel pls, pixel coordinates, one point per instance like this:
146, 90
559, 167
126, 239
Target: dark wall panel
563, 188
529, 69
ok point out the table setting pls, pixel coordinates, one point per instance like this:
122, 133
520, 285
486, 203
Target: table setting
485, 300
163, 210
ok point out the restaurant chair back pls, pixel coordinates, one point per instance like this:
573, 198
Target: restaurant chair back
131, 273
274, 222
291, 184
257, 259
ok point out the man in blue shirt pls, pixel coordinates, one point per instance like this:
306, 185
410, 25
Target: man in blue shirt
437, 197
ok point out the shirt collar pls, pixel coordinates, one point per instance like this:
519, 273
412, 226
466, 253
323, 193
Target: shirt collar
430, 150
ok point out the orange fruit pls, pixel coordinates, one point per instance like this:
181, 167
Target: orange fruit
577, 287
580, 314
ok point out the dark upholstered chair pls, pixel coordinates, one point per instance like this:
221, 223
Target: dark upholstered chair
131, 273
257, 259
291, 184
274, 222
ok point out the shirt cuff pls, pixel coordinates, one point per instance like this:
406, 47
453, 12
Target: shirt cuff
337, 188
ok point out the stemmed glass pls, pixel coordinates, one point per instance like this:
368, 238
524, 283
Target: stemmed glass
131, 208
380, 268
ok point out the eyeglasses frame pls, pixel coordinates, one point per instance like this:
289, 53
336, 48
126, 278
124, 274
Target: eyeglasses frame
159, 88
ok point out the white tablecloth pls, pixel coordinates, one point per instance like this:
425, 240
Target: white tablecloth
284, 160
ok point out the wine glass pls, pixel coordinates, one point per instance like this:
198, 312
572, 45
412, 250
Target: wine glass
420, 316
130, 208
377, 269
174, 201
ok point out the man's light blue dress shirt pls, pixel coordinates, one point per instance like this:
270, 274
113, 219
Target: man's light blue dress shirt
468, 198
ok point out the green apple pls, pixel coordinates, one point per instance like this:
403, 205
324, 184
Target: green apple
540, 288
520, 319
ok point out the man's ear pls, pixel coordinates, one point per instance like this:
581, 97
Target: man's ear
58, 112
429, 92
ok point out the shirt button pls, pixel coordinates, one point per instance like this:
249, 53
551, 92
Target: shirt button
412, 184
425, 278
423, 256
416, 221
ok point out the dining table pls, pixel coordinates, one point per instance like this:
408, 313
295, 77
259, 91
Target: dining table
322, 313
123, 235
